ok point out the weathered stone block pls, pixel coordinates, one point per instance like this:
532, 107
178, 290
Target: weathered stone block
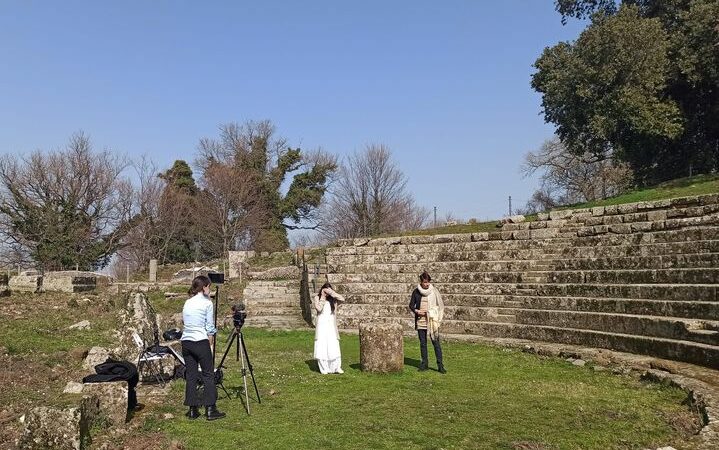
561, 214
523, 234
480, 237
381, 347
153, 271
68, 282
628, 208
656, 216
26, 282
598, 211
113, 400
546, 233
542, 216
97, 355
611, 220
622, 228
641, 227
556, 223
55, 428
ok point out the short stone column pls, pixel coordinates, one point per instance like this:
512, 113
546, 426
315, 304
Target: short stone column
113, 400
381, 347
153, 271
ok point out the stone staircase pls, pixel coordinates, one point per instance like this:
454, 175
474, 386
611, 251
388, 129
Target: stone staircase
640, 278
273, 304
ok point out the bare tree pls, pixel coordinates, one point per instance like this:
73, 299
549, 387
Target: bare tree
370, 198
65, 208
570, 178
258, 158
147, 232
225, 211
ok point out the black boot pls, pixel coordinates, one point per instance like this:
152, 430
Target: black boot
192, 413
213, 413
422, 366
440, 368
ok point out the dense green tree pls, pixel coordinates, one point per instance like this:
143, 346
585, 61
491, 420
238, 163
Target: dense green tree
640, 83
179, 236
179, 177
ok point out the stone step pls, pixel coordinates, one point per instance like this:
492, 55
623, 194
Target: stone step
684, 261
686, 308
271, 301
274, 284
650, 249
669, 308
471, 300
264, 292
654, 326
277, 323
500, 314
658, 291
614, 276
274, 311
628, 246
693, 261
454, 243
700, 254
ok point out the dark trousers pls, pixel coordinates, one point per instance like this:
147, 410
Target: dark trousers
198, 352
423, 347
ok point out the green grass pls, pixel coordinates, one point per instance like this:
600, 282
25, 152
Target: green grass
683, 187
45, 330
491, 398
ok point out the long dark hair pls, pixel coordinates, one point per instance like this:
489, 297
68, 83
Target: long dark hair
329, 297
198, 284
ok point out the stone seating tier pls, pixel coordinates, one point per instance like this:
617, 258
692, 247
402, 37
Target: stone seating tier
641, 278
273, 304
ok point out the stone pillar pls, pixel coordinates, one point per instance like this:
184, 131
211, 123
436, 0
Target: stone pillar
153, 271
381, 347
112, 400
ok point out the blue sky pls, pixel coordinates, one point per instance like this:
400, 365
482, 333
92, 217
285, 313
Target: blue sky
444, 84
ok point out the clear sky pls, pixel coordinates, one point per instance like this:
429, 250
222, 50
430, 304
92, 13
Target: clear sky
444, 84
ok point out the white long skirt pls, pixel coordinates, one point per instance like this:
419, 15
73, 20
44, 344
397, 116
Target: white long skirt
327, 346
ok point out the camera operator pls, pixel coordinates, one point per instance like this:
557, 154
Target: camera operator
198, 317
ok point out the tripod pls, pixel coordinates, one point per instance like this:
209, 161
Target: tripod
240, 355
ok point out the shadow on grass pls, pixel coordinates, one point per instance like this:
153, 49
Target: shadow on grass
312, 364
412, 362
407, 362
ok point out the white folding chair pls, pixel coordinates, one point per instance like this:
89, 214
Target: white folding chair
150, 360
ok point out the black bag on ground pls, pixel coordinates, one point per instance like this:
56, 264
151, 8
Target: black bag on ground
113, 370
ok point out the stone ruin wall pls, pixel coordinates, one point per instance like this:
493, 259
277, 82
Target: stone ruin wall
66, 281
641, 278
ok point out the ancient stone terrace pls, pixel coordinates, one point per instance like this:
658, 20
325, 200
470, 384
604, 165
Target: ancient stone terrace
641, 278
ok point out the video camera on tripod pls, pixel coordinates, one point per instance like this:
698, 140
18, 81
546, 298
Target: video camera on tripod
238, 315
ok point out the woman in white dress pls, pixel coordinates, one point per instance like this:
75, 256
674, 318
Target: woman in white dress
327, 336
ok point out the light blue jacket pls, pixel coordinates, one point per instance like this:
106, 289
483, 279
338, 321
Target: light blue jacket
198, 316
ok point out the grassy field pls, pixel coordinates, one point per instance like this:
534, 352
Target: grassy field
491, 398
